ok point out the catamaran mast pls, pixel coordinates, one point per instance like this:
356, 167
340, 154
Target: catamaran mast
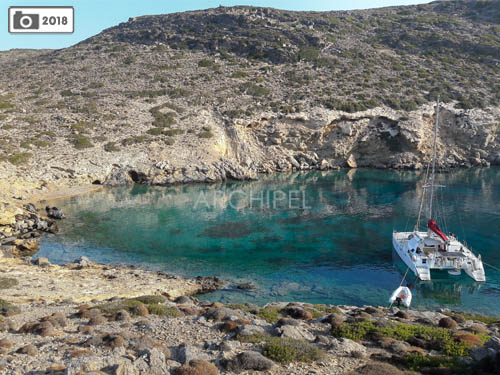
434, 158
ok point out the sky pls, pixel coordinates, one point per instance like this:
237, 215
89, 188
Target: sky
93, 16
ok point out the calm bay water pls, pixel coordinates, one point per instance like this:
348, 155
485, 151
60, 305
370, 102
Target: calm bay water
320, 237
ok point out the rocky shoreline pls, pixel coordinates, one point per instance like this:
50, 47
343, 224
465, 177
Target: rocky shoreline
88, 318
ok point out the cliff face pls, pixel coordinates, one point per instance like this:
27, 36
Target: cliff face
232, 92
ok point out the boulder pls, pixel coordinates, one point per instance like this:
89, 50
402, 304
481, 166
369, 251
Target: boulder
249, 361
345, 346
196, 367
42, 262
351, 161
294, 332
249, 330
54, 213
448, 322
186, 353
298, 313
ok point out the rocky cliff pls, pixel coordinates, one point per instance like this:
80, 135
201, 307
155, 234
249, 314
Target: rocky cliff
232, 92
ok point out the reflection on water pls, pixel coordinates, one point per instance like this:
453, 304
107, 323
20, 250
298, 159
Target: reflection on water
332, 247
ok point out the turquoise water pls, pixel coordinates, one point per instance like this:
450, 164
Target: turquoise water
321, 237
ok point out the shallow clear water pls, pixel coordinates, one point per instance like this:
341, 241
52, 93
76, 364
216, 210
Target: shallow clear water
321, 237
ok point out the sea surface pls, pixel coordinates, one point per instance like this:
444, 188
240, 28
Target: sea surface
319, 237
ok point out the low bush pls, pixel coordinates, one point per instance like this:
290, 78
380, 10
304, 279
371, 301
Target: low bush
111, 147
8, 309
172, 132
17, 158
269, 314
253, 89
7, 282
448, 343
287, 350
134, 140
205, 63
239, 74
81, 142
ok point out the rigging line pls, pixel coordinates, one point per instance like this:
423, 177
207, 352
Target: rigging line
407, 269
434, 157
404, 277
445, 222
426, 182
489, 265
461, 222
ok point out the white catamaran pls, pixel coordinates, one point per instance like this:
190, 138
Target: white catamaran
432, 249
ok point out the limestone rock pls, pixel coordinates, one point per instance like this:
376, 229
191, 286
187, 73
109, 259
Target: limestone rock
249, 361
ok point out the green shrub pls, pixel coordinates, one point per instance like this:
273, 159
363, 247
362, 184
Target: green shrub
477, 317
81, 142
205, 63
96, 85
308, 53
239, 74
7, 282
154, 131
239, 306
444, 337
150, 299
287, 350
416, 362
205, 134
130, 60
66, 92
252, 89
34, 142
18, 158
111, 147
134, 140
172, 132
164, 311
269, 314
8, 309
6, 105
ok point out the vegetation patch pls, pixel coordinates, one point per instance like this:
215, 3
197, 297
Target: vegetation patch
205, 63
172, 132
17, 158
239, 74
111, 147
8, 309
253, 89
81, 142
7, 282
287, 350
153, 304
477, 317
134, 140
417, 362
448, 343
269, 314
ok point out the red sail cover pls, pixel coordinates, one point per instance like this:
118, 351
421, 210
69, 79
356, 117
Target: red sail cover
431, 224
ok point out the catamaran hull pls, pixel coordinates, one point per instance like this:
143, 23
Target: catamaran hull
421, 266
421, 273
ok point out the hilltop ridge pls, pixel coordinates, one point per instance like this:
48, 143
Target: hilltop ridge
231, 92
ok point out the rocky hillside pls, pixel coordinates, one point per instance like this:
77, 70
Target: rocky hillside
232, 92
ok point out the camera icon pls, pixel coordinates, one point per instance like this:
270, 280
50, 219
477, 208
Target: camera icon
26, 21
